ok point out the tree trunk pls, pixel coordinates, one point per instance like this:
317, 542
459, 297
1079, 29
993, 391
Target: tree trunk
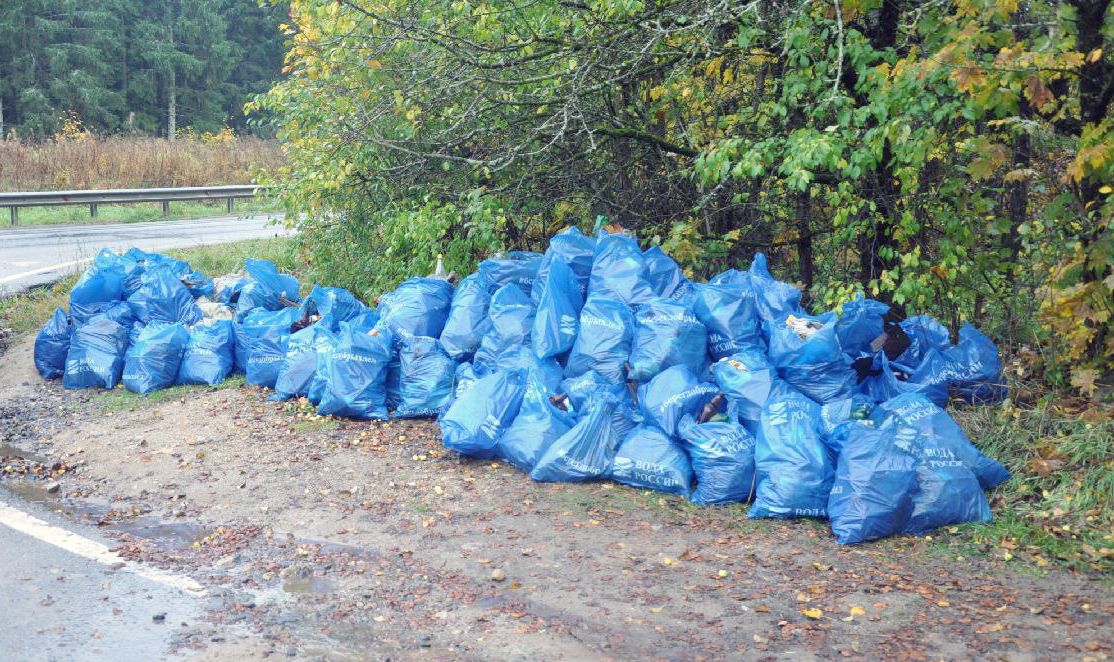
804, 238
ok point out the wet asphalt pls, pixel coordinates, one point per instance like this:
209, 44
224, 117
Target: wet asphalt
42, 254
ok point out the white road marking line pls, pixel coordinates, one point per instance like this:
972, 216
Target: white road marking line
43, 270
81, 546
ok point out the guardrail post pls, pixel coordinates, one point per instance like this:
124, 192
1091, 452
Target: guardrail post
15, 215
166, 208
230, 205
93, 210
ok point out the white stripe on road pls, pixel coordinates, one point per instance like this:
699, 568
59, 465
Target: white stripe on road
44, 270
81, 546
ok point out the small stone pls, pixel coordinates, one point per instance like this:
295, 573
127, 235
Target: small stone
497, 575
424, 641
159, 617
52, 487
291, 651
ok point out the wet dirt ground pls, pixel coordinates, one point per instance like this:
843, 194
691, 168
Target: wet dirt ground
343, 540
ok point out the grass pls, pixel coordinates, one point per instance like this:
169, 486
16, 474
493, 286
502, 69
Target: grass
136, 213
121, 399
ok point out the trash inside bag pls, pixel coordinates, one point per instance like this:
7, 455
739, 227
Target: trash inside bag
467, 322
649, 459
673, 393
96, 354
426, 378
355, 374
619, 270
512, 319
538, 424
573, 248
665, 276
722, 456
860, 323
226, 289
417, 307
586, 451
163, 298
51, 345
198, 284
518, 268
209, 355
746, 378
153, 360
298, 367
729, 313
477, 419
837, 417
807, 354
604, 341
666, 334
941, 433
557, 320
334, 304
794, 468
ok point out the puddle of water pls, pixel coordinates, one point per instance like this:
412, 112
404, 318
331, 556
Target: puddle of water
34, 492
311, 584
167, 534
7, 450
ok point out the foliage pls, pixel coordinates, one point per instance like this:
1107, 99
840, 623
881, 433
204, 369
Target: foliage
950, 157
124, 65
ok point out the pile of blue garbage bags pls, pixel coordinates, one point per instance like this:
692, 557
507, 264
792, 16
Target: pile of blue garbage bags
595, 360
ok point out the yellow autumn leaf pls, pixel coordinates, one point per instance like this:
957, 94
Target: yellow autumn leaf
813, 613
1106, 190
1094, 55
857, 611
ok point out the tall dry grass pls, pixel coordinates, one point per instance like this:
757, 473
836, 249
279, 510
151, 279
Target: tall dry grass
81, 160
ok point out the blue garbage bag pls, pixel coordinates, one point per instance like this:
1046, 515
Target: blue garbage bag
266, 353
860, 323
467, 322
298, 367
393, 382
96, 354
794, 468
557, 320
129, 270
587, 450
873, 491
773, 299
523, 358
258, 323
925, 333
511, 314
649, 459
574, 249
722, 456
52, 344
814, 364
746, 378
579, 389
941, 433
666, 334
538, 424
96, 285
665, 275
728, 311
478, 418
355, 374
518, 268
973, 369
210, 354
604, 341
417, 307
619, 270
198, 284
929, 379
426, 374
334, 304
673, 393
152, 361
948, 492
272, 290
163, 298
463, 380
229, 292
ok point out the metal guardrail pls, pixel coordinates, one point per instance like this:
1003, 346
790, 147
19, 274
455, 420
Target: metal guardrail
15, 201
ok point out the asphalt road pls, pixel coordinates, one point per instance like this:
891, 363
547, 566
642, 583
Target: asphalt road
37, 255
59, 602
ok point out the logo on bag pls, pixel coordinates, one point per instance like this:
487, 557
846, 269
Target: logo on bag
599, 321
684, 395
778, 413
568, 325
